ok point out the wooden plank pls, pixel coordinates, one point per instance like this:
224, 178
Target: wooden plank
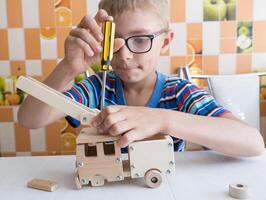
56, 99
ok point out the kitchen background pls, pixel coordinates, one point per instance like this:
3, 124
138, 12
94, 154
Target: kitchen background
223, 37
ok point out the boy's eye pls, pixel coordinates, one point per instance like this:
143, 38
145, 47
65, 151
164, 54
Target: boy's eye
139, 43
139, 40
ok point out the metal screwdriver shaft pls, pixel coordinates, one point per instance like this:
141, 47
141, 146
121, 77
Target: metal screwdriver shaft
103, 89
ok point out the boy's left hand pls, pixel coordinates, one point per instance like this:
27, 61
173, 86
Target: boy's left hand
132, 123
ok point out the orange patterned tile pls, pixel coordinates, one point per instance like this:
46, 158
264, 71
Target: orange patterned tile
244, 10
196, 44
32, 44
47, 14
243, 64
227, 46
4, 55
78, 11
210, 65
8, 154
68, 142
18, 68
259, 39
63, 17
39, 78
196, 69
263, 109
194, 31
65, 3
198, 63
14, 13
22, 138
178, 10
228, 29
177, 61
48, 66
53, 141
47, 33
167, 53
68, 152
39, 153
62, 34
54, 153
6, 114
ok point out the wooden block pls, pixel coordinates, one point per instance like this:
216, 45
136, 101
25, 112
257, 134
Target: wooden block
239, 191
42, 184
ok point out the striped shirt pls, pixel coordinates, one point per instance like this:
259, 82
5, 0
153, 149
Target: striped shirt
170, 92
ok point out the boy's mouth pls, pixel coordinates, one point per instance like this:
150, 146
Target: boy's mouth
126, 68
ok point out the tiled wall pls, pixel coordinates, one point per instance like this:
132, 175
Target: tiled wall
32, 34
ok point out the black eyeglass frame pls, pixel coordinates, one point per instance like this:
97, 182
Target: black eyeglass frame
150, 36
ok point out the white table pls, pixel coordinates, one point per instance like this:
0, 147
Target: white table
199, 175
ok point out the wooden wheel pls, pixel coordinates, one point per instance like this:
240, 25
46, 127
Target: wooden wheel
153, 178
97, 180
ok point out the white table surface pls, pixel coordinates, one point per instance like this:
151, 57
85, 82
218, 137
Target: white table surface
199, 175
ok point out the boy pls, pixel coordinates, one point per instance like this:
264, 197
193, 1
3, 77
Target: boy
140, 102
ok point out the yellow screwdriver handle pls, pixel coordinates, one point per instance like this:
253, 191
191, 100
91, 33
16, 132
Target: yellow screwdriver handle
108, 30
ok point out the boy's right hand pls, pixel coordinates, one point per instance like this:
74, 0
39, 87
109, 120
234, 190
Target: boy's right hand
83, 45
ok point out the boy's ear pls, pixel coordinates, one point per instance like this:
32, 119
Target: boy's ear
167, 40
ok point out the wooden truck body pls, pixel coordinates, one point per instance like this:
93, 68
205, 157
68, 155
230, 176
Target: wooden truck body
98, 156
99, 159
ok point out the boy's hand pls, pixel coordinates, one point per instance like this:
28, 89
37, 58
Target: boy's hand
132, 123
83, 45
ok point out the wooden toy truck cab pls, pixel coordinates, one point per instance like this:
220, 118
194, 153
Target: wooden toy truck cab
98, 156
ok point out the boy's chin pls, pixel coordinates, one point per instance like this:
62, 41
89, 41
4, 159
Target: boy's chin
131, 78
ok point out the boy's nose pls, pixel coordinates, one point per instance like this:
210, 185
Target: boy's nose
124, 53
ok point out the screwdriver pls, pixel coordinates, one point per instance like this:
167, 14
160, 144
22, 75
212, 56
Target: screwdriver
108, 30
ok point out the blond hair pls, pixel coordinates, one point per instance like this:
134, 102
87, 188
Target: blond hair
117, 7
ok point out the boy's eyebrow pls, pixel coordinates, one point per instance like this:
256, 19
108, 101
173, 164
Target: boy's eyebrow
140, 31
136, 32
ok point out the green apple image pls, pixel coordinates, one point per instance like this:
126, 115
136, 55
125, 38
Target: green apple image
244, 30
248, 50
79, 78
89, 71
2, 83
214, 10
2, 98
231, 9
243, 43
247, 24
96, 67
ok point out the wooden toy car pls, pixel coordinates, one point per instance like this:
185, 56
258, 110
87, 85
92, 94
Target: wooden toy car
99, 159
98, 156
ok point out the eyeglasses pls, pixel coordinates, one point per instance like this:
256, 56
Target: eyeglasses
139, 44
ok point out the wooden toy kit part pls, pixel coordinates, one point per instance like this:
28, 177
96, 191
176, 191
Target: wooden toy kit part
153, 178
98, 156
56, 99
42, 184
99, 159
239, 191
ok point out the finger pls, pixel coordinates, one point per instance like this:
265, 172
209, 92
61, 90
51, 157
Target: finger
82, 45
111, 120
127, 138
120, 128
87, 37
99, 119
118, 44
88, 22
102, 16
